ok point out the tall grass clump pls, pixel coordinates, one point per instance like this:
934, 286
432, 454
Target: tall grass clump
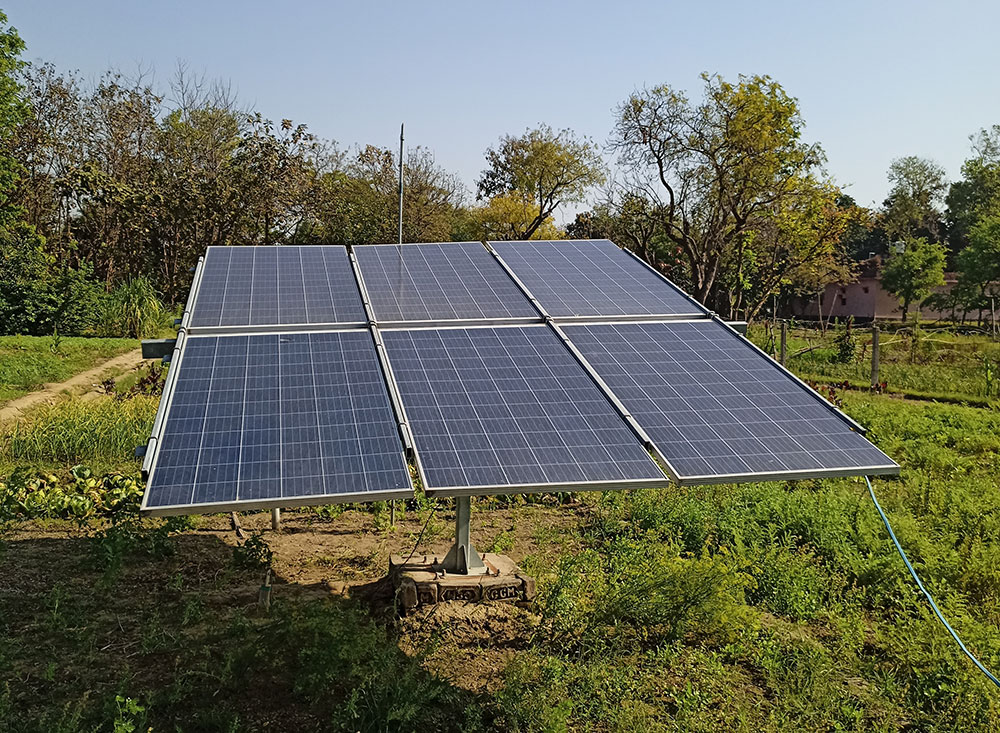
134, 309
78, 431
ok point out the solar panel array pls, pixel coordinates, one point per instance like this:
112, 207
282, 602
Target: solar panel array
279, 397
293, 418
264, 286
592, 277
716, 408
439, 282
494, 409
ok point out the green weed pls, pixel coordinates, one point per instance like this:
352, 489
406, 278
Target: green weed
254, 553
101, 430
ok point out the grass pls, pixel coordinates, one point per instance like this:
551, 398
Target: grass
943, 365
783, 606
28, 362
757, 607
102, 433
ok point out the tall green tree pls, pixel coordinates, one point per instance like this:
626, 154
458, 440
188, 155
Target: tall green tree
979, 263
13, 111
358, 203
913, 207
730, 176
977, 193
539, 171
912, 275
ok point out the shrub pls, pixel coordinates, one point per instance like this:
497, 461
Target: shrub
640, 591
847, 344
39, 296
133, 309
253, 554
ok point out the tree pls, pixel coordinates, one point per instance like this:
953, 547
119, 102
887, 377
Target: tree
728, 176
797, 245
274, 172
913, 207
979, 263
865, 236
542, 169
359, 203
977, 194
911, 275
511, 216
12, 113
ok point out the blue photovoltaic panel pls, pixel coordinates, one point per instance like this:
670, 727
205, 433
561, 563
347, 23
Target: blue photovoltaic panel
591, 277
719, 410
510, 409
439, 282
268, 286
256, 419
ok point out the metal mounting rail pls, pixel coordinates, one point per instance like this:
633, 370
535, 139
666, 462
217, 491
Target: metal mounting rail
149, 457
603, 386
383, 358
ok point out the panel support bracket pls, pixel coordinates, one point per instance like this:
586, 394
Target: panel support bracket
462, 558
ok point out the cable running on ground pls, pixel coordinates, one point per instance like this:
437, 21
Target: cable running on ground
927, 595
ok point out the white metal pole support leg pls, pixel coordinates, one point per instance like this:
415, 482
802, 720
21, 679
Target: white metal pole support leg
276, 520
462, 558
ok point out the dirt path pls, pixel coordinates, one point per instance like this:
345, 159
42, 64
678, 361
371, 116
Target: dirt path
81, 383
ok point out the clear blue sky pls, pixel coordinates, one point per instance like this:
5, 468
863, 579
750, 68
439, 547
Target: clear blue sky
876, 80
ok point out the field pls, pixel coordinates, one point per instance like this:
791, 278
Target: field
758, 607
938, 364
28, 362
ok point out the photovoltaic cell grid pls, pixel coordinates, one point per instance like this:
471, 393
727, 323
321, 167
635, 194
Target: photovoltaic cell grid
510, 409
717, 409
439, 282
303, 417
264, 286
591, 278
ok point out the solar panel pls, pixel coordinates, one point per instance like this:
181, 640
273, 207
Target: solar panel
276, 419
264, 286
439, 282
717, 409
592, 277
509, 409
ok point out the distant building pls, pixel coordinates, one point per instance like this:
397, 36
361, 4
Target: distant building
864, 299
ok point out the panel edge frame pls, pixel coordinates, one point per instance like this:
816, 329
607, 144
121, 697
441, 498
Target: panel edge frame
279, 502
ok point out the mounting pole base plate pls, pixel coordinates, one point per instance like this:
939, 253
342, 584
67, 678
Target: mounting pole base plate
423, 581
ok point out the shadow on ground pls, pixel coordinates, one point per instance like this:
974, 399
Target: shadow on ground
167, 633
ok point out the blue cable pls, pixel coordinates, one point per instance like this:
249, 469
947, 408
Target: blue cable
927, 595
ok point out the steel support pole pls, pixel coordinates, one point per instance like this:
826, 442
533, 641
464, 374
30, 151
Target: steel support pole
875, 357
462, 558
784, 342
276, 520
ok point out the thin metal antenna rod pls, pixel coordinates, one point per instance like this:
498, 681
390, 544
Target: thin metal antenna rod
392, 503
401, 183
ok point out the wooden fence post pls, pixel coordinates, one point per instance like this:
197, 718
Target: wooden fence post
875, 380
784, 342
